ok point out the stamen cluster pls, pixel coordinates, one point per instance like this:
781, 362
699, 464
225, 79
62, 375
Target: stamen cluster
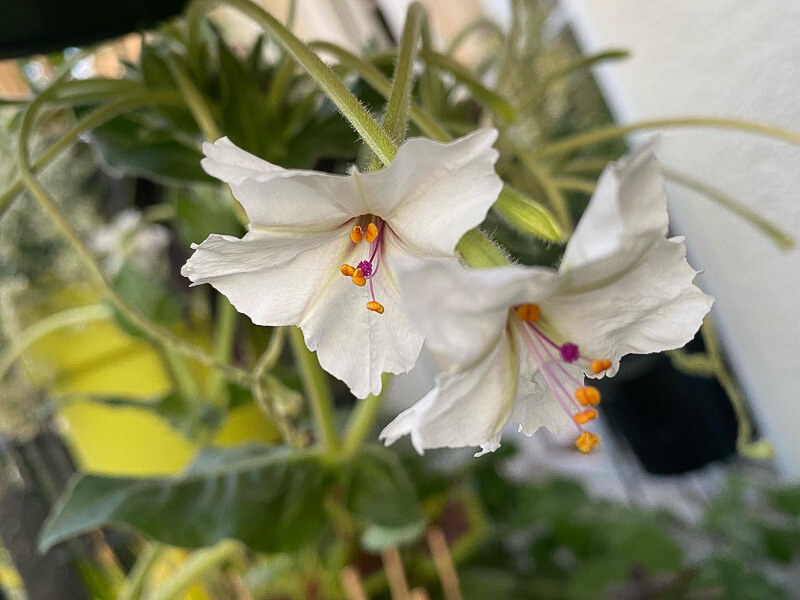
366, 269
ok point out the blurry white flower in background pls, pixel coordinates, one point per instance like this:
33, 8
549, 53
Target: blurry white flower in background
129, 238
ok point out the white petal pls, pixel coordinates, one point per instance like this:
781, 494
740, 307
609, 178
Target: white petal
466, 408
271, 277
651, 307
462, 312
433, 193
358, 345
544, 395
629, 206
276, 197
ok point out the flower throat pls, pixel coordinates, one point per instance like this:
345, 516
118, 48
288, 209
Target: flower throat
366, 270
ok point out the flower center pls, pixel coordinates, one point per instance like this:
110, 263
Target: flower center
550, 357
366, 269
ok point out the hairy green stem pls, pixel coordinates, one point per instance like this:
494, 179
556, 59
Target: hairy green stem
612, 132
317, 389
381, 84
395, 120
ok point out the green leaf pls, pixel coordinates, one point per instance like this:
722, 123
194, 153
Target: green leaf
375, 538
128, 147
270, 499
380, 492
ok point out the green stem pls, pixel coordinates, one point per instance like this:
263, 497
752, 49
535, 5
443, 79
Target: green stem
49, 205
198, 565
583, 62
575, 184
478, 26
745, 430
395, 120
611, 132
430, 88
66, 318
350, 107
316, 387
90, 121
182, 379
360, 424
271, 354
381, 84
132, 589
781, 238
489, 98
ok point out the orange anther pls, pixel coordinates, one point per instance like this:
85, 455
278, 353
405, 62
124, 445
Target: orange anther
375, 306
588, 396
587, 441
347, 270
358, 277
529, 313
598, 366
372, 232
357, 234
585, 416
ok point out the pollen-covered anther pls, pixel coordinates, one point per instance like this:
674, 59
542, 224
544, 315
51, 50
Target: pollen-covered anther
585, 416
587, 441
375, 306
529, 313
358, 277
357, 234
598, 366
372, 232
588, 396
347, 270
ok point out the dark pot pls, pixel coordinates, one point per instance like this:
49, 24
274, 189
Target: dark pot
39, 26
673, 422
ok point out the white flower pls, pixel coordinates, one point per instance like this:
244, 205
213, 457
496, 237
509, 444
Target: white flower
128, 237
298, 263
520, 339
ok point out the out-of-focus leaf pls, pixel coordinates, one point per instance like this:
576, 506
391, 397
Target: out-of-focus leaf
379, 491
786, 500
270, 499
148, 296
127, 147
480, 584
781, 544
201, 211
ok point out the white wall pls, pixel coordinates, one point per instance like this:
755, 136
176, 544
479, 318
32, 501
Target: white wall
734, 58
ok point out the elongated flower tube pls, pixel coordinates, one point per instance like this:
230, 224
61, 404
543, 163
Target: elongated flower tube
518, 341
321, 248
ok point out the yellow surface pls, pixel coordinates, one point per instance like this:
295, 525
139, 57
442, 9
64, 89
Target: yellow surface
101, 359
